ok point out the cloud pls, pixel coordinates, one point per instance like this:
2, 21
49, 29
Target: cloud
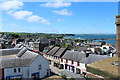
21, 14
35, 18
63, 12
11, 5
56, 4
11, 8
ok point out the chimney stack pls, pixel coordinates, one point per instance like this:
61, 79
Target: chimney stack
118, 36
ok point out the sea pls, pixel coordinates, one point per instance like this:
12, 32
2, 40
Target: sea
95, 36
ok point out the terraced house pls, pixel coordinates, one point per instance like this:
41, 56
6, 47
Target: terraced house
54, 54
75, 61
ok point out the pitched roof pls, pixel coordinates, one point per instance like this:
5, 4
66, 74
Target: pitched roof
47, 49
43, 40
82, 48
95, 43
74, 55
60, 52
9, 61
93, 58
53, 51
11, 51
29, 54
16, 62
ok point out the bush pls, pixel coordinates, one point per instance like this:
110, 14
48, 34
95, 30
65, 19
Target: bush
72, 78
64, 76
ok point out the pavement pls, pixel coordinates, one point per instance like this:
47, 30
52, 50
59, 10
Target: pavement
67, 73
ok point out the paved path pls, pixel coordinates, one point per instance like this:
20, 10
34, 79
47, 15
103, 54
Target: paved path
68, 73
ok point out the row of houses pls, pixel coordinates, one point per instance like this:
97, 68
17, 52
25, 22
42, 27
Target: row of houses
21, 63
70, 60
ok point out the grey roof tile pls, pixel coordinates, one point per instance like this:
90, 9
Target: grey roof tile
74, 55
11, 51
53, 51
9, 61
60, 52
93, 58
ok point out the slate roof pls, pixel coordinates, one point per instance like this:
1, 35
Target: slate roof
82, 48
93, 58
81, 57
25, 59
29, 54
53, 51
16, 62
11, 51
95, 43
47, 49
60, 52
74, 55
43, 40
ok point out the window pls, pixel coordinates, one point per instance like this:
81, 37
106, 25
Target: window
78, 64
61, 60
14, 70
72, 62
66, 61
39, 67
19, 70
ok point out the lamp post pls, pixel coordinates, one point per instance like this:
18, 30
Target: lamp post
118, 36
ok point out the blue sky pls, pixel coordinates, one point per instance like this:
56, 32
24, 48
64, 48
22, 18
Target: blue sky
59, 17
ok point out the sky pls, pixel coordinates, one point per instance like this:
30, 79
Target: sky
59, 17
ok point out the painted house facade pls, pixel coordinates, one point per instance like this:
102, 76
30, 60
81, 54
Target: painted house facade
23, 64
71, 62
76, 62
54, 55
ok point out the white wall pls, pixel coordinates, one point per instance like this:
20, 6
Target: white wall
10, 72
33, 67
93, 50
81, 65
